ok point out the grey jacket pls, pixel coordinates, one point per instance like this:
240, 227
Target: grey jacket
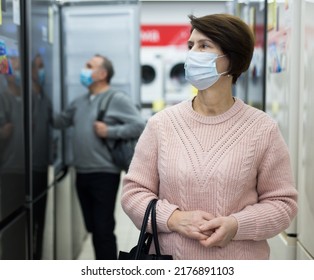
89, 152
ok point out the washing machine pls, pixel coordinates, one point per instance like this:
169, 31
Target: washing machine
177, 88
152, 85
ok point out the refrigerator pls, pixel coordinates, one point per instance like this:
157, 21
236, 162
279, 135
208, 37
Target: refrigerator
282, 100
43, 46
289, 100
32, 151
46, 161
109, 28
87, 28
50, 199
305, 218
14, 214
250, 86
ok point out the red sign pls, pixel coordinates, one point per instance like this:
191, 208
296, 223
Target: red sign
164, 35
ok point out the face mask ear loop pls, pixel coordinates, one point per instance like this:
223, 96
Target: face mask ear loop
223, 55
221, 74
219, 56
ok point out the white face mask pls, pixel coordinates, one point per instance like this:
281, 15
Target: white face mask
200, 69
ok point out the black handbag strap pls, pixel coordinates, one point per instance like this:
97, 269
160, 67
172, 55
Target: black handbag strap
104, 103
102, 110
154, 228
151, 209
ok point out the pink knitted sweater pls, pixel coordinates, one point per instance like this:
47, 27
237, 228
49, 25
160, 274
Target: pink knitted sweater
236, 164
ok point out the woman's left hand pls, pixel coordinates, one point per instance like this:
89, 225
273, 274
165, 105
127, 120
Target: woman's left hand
224, 229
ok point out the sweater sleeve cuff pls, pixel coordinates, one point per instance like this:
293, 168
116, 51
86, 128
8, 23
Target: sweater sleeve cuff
246, 226
164, 211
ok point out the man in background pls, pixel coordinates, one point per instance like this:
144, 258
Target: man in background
98, 178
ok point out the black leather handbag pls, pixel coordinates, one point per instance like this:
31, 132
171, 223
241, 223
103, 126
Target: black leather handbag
141, 250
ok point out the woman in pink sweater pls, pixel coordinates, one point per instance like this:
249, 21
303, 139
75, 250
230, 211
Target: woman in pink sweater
219, 168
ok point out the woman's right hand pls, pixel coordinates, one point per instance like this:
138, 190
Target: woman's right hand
187, 223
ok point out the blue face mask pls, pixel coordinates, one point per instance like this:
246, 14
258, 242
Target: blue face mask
86, 77
41, 76
200, 69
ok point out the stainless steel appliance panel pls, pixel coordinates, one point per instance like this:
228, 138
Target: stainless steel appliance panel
13, 240
12, 129
46, 157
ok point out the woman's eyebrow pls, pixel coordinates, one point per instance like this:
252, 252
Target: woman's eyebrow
200, 41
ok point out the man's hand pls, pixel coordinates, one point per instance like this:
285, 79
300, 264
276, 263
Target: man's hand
101, 129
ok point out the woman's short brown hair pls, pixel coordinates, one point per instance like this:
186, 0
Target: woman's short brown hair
232, 35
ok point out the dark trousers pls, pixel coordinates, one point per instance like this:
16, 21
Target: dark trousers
97, 193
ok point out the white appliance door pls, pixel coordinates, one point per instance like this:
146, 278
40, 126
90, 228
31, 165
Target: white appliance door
282, 76
306, 150
283, 247
107, 29
302, 254
152, 86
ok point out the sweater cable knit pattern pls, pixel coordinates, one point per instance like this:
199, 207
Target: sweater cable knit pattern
208, 159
